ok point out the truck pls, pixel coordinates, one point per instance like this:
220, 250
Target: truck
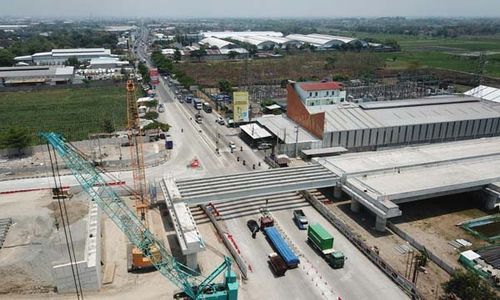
300, 219
281, 246
277, 264
197, 103
207, 107
322, 240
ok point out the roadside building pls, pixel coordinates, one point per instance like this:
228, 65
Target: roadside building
107, 63
60, 56
35, 75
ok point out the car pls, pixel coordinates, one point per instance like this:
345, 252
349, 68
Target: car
253, 226
232, 146
220, 121
264, 146
161, 107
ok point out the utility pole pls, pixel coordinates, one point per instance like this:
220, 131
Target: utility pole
296, 141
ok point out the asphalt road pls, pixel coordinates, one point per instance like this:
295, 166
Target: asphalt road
359, 279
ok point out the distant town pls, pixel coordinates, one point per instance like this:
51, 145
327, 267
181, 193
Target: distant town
224, 159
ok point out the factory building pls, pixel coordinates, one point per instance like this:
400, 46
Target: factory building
323, 41
369, 126
35, 75
60, 56
210, 42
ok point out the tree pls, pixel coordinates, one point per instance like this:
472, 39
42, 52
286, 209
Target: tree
177, 56
468, 286
225, 87
151, 115
200, 53
72, 61
232, 54
6, 58
16, 138
108, 126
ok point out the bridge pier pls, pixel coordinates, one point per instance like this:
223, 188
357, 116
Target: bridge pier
380, 223
192, 261
355, 206
490, 201
337, 192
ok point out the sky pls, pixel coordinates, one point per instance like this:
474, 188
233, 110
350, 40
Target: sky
249, 8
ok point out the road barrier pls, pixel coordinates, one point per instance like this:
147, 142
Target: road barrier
406, 285
232, 248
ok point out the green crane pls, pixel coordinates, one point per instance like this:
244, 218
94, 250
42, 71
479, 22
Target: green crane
193, 285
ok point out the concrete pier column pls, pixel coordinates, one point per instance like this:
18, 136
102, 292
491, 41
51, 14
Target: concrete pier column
490, 201
191, 261
355, 206
337, 192
380, 223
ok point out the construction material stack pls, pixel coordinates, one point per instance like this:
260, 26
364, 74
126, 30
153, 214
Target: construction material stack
323, 241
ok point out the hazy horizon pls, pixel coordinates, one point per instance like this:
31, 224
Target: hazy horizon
249, 9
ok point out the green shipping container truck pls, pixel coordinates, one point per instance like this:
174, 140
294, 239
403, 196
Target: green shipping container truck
323, 241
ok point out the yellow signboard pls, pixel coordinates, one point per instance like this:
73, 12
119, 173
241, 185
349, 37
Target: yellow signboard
240, 107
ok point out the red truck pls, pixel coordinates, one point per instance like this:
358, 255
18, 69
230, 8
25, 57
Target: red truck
277, 264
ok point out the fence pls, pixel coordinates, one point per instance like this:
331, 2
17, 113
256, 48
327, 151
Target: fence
406, 285
449, 269
239, 261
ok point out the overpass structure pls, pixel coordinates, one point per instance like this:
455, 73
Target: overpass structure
381, 180
180, 194
259, 183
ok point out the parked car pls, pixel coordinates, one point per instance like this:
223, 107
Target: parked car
264, 146
253, 226
220, 120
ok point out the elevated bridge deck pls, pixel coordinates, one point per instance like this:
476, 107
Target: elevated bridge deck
259, 183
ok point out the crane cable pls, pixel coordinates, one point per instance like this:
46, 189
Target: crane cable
65, 220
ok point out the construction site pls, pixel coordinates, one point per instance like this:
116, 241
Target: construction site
357, 192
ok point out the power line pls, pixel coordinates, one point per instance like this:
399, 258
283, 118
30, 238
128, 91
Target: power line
65, 220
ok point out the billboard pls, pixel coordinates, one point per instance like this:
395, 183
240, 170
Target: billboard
154, 75
240, 107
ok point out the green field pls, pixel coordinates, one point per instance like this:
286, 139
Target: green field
441, 52
74, 112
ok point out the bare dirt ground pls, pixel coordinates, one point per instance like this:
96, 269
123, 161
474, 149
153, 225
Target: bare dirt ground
428, 283
33, 242
433, 223
38, 163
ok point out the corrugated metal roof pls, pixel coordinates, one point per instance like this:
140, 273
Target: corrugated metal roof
284, 128
255, 131
485, 92
354, 117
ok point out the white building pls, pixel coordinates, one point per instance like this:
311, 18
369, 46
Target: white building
231, 34
210, 42
60, 56
324, 41
321, 93
107, 63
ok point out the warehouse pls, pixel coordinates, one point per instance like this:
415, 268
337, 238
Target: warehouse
324, 41
210, 42
369, 126
60, 56
15, 76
